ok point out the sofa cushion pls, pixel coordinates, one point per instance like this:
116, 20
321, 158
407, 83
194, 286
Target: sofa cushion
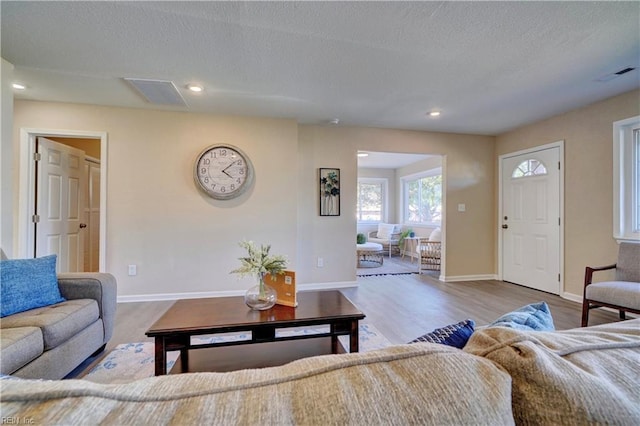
436, 235
58, 322
28, 284
421, 383
455, 335
619, 293
581, 376
19, 346
385, 230
535, 316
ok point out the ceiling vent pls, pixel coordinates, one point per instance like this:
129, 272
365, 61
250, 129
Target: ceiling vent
609, 77
157, 91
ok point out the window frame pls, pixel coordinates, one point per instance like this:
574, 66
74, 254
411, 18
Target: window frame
626, 179
384, 214
405, 180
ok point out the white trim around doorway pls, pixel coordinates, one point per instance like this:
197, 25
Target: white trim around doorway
26, 184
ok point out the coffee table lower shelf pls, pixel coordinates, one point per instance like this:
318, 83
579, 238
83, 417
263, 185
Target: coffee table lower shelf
258, 355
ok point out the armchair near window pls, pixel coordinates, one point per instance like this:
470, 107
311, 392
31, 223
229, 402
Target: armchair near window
388, 234
430, 252
622, 294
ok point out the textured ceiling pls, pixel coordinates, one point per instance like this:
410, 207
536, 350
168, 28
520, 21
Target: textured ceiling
488, 66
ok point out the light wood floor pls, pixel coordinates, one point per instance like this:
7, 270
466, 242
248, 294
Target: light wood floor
401, 307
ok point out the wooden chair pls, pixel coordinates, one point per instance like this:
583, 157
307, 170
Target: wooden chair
429, 255
622, 294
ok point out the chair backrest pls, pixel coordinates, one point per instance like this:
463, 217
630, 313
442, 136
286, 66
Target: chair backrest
628, 264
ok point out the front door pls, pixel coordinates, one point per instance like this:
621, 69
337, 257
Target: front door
530, 217
59, 204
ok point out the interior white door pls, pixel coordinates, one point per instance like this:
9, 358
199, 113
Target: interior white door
59, 204
92, 216
531, 219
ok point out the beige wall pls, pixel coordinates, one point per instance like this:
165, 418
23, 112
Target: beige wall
468, 165
181, 240
6, 159
91, 147
588, 136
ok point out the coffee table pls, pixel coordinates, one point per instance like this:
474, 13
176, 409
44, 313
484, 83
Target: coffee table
187, 318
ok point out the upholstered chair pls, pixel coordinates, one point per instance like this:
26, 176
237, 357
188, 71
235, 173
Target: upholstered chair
622, 294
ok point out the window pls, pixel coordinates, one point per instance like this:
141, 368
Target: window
422, 198
626, 169
529, 168
371, 204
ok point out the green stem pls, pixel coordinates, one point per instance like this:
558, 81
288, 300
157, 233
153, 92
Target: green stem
263, 293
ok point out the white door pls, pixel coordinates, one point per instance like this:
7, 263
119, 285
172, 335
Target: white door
92, 216
59, 204
530, 216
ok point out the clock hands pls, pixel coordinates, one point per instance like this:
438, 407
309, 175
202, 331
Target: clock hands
225, 170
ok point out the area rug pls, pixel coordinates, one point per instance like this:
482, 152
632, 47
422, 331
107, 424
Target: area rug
390, 266
132, 361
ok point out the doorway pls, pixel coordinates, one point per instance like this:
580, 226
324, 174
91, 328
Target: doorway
530, 217
95, 146
406, 189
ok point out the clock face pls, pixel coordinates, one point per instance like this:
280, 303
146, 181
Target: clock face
223, 171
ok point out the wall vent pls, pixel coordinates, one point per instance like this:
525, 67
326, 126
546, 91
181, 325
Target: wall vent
157, 91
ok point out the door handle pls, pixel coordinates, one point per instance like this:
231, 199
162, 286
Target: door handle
505, 226
83, 225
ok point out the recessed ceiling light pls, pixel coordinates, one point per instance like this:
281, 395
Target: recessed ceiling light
363, 154
195, 88
19, 86
434, 113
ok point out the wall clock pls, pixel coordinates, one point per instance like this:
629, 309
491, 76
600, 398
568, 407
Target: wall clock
223, 171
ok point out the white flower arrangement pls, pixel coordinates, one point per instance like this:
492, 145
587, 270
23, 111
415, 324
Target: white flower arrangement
259, 262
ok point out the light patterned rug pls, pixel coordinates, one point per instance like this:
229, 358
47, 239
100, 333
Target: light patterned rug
395, 265
132, 361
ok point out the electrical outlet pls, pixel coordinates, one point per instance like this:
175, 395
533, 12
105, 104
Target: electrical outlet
133, 270
320, 262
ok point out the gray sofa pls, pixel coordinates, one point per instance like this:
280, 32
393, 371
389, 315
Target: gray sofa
503, 376
49, 342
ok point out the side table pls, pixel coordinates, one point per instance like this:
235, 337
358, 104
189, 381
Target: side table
410, 243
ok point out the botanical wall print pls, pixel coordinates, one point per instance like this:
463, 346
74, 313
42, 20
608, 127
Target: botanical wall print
329, 192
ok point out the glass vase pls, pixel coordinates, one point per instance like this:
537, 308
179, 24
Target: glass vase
260, 297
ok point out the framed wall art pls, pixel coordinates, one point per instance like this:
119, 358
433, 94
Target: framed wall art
329, 192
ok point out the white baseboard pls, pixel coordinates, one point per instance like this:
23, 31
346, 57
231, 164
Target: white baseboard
454, 278
573, 297
327, 286
578, 299
203, 294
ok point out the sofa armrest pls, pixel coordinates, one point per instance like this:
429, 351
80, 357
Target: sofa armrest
98, 286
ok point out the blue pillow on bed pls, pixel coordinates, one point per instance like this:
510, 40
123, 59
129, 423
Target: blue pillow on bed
535, 316
28, 284
455, 335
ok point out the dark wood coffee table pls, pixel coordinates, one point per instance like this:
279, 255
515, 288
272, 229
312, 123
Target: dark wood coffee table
195, 317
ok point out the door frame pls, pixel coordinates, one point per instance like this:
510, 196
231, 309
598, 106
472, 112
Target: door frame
26, 186
560, 145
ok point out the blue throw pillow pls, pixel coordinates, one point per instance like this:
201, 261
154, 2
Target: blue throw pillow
455, 335
28, 284
535, 316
